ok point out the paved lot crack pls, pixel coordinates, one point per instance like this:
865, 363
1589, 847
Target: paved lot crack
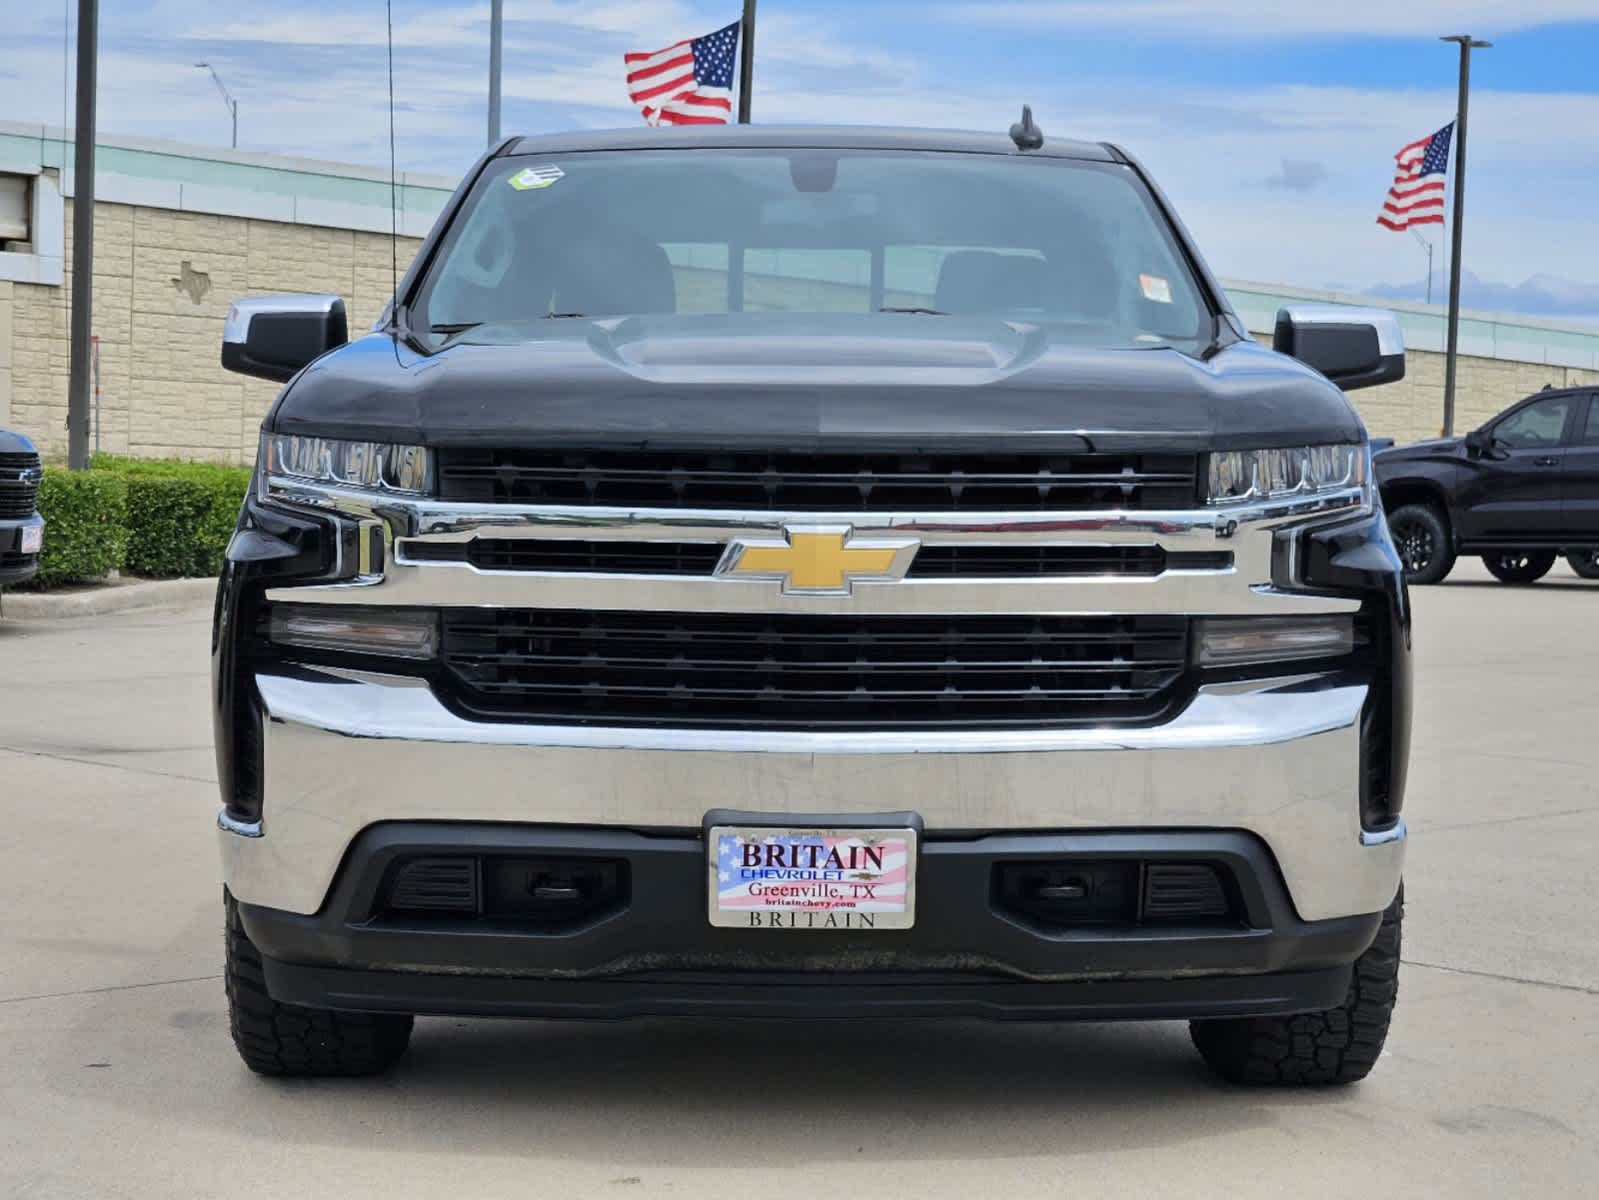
1545, 816
118, 987
1544, 983
110, 766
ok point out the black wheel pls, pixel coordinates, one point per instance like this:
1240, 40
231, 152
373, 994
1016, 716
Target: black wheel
1518, 566
1585, 563
285, 1039
1422, 539
1338, 1045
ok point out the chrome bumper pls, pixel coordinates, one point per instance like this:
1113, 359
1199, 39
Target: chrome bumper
1278, 758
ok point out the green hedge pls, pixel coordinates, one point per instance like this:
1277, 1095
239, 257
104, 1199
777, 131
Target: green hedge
180, 514
156, 519
86, 526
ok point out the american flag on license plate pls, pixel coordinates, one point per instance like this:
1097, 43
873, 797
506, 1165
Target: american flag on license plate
811, 873
1417, 194
688, 83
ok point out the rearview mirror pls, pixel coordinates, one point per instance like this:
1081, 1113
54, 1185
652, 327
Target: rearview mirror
272, 337
1353, 347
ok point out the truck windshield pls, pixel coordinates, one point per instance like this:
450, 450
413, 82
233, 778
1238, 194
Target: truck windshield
1076, 245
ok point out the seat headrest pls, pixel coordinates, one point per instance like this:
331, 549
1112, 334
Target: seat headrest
983, 281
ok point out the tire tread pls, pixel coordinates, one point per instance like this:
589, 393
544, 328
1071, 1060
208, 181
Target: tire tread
1336, 1046
286, 1040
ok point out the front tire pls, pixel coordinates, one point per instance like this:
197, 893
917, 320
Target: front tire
1519, 566
1335, 1046
287, 1040
1584, 563
1422, 538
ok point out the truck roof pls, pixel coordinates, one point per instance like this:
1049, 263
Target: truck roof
821, 137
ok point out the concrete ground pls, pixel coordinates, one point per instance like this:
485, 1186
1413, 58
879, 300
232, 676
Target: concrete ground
117, 1077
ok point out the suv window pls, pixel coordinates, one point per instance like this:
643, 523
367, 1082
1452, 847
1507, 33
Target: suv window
1590, 434
1539, 425
1079, 246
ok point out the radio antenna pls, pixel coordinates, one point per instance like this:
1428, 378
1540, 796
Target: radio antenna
394, 196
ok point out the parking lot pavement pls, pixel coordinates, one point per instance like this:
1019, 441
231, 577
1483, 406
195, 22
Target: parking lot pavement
117, 1077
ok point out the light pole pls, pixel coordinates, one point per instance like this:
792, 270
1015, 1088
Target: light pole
1467, 45
233, 105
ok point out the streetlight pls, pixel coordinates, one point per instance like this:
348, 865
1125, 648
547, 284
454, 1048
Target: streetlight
233, 105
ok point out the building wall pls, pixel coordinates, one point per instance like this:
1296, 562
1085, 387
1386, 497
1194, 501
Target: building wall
163, 281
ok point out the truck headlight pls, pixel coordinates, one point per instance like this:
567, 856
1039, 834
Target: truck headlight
1242, 641
369, 466
1291, 473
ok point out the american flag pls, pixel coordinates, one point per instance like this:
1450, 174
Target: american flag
688, 83
1417, 196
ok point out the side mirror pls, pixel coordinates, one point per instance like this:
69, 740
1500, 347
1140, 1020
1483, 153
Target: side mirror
1478, 443
1353, 347
274, 336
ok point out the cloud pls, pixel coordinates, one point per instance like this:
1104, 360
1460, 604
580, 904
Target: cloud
1238, 19
1298, 175
312, 80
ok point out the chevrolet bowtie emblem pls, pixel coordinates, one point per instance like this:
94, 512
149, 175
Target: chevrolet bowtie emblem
814, 560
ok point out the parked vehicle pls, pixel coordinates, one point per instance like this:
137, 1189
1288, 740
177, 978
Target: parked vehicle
21, 526
1520, 491
812, 572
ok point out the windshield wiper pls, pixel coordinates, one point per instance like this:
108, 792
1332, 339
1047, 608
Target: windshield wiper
924, 312
563, 316
452, 330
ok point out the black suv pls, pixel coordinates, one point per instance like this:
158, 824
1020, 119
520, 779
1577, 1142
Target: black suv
1519, 491
21, 527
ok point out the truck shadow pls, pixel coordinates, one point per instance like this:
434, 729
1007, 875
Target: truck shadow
690, 1093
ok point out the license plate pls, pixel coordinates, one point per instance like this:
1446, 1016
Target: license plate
32, 538
767, 877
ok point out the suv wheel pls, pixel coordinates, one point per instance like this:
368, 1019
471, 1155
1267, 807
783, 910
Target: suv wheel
1584, 563
285, 1039
1337, 1045
1422, 539
1519, 566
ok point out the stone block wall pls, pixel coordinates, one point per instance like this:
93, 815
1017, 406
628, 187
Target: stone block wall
163, 281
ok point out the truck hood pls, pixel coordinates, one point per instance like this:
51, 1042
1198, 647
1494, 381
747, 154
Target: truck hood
1429, 449
910, 382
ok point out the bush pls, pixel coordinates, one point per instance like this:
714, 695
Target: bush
158, 519
86, 526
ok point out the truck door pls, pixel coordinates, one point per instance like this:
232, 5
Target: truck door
1581, 476
1516, 495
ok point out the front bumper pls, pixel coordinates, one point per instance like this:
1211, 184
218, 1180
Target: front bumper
15, 566
1277, 759
652, 952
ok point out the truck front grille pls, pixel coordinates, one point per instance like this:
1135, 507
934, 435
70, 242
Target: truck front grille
780, 671
19, 485
698, 560
784, 481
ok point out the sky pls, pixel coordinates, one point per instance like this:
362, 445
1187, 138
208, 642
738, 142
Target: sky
1270, 125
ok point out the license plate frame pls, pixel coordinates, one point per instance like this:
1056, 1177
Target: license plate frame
855, 884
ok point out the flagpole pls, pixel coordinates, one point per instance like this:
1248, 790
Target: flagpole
1467, 45
746, 62
496, 53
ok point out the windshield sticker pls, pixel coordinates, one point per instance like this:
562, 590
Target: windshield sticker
1155, 288
531, 179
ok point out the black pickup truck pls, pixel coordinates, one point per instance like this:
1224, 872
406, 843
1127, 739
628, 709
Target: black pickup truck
812, 572
1520, 491
21, 527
